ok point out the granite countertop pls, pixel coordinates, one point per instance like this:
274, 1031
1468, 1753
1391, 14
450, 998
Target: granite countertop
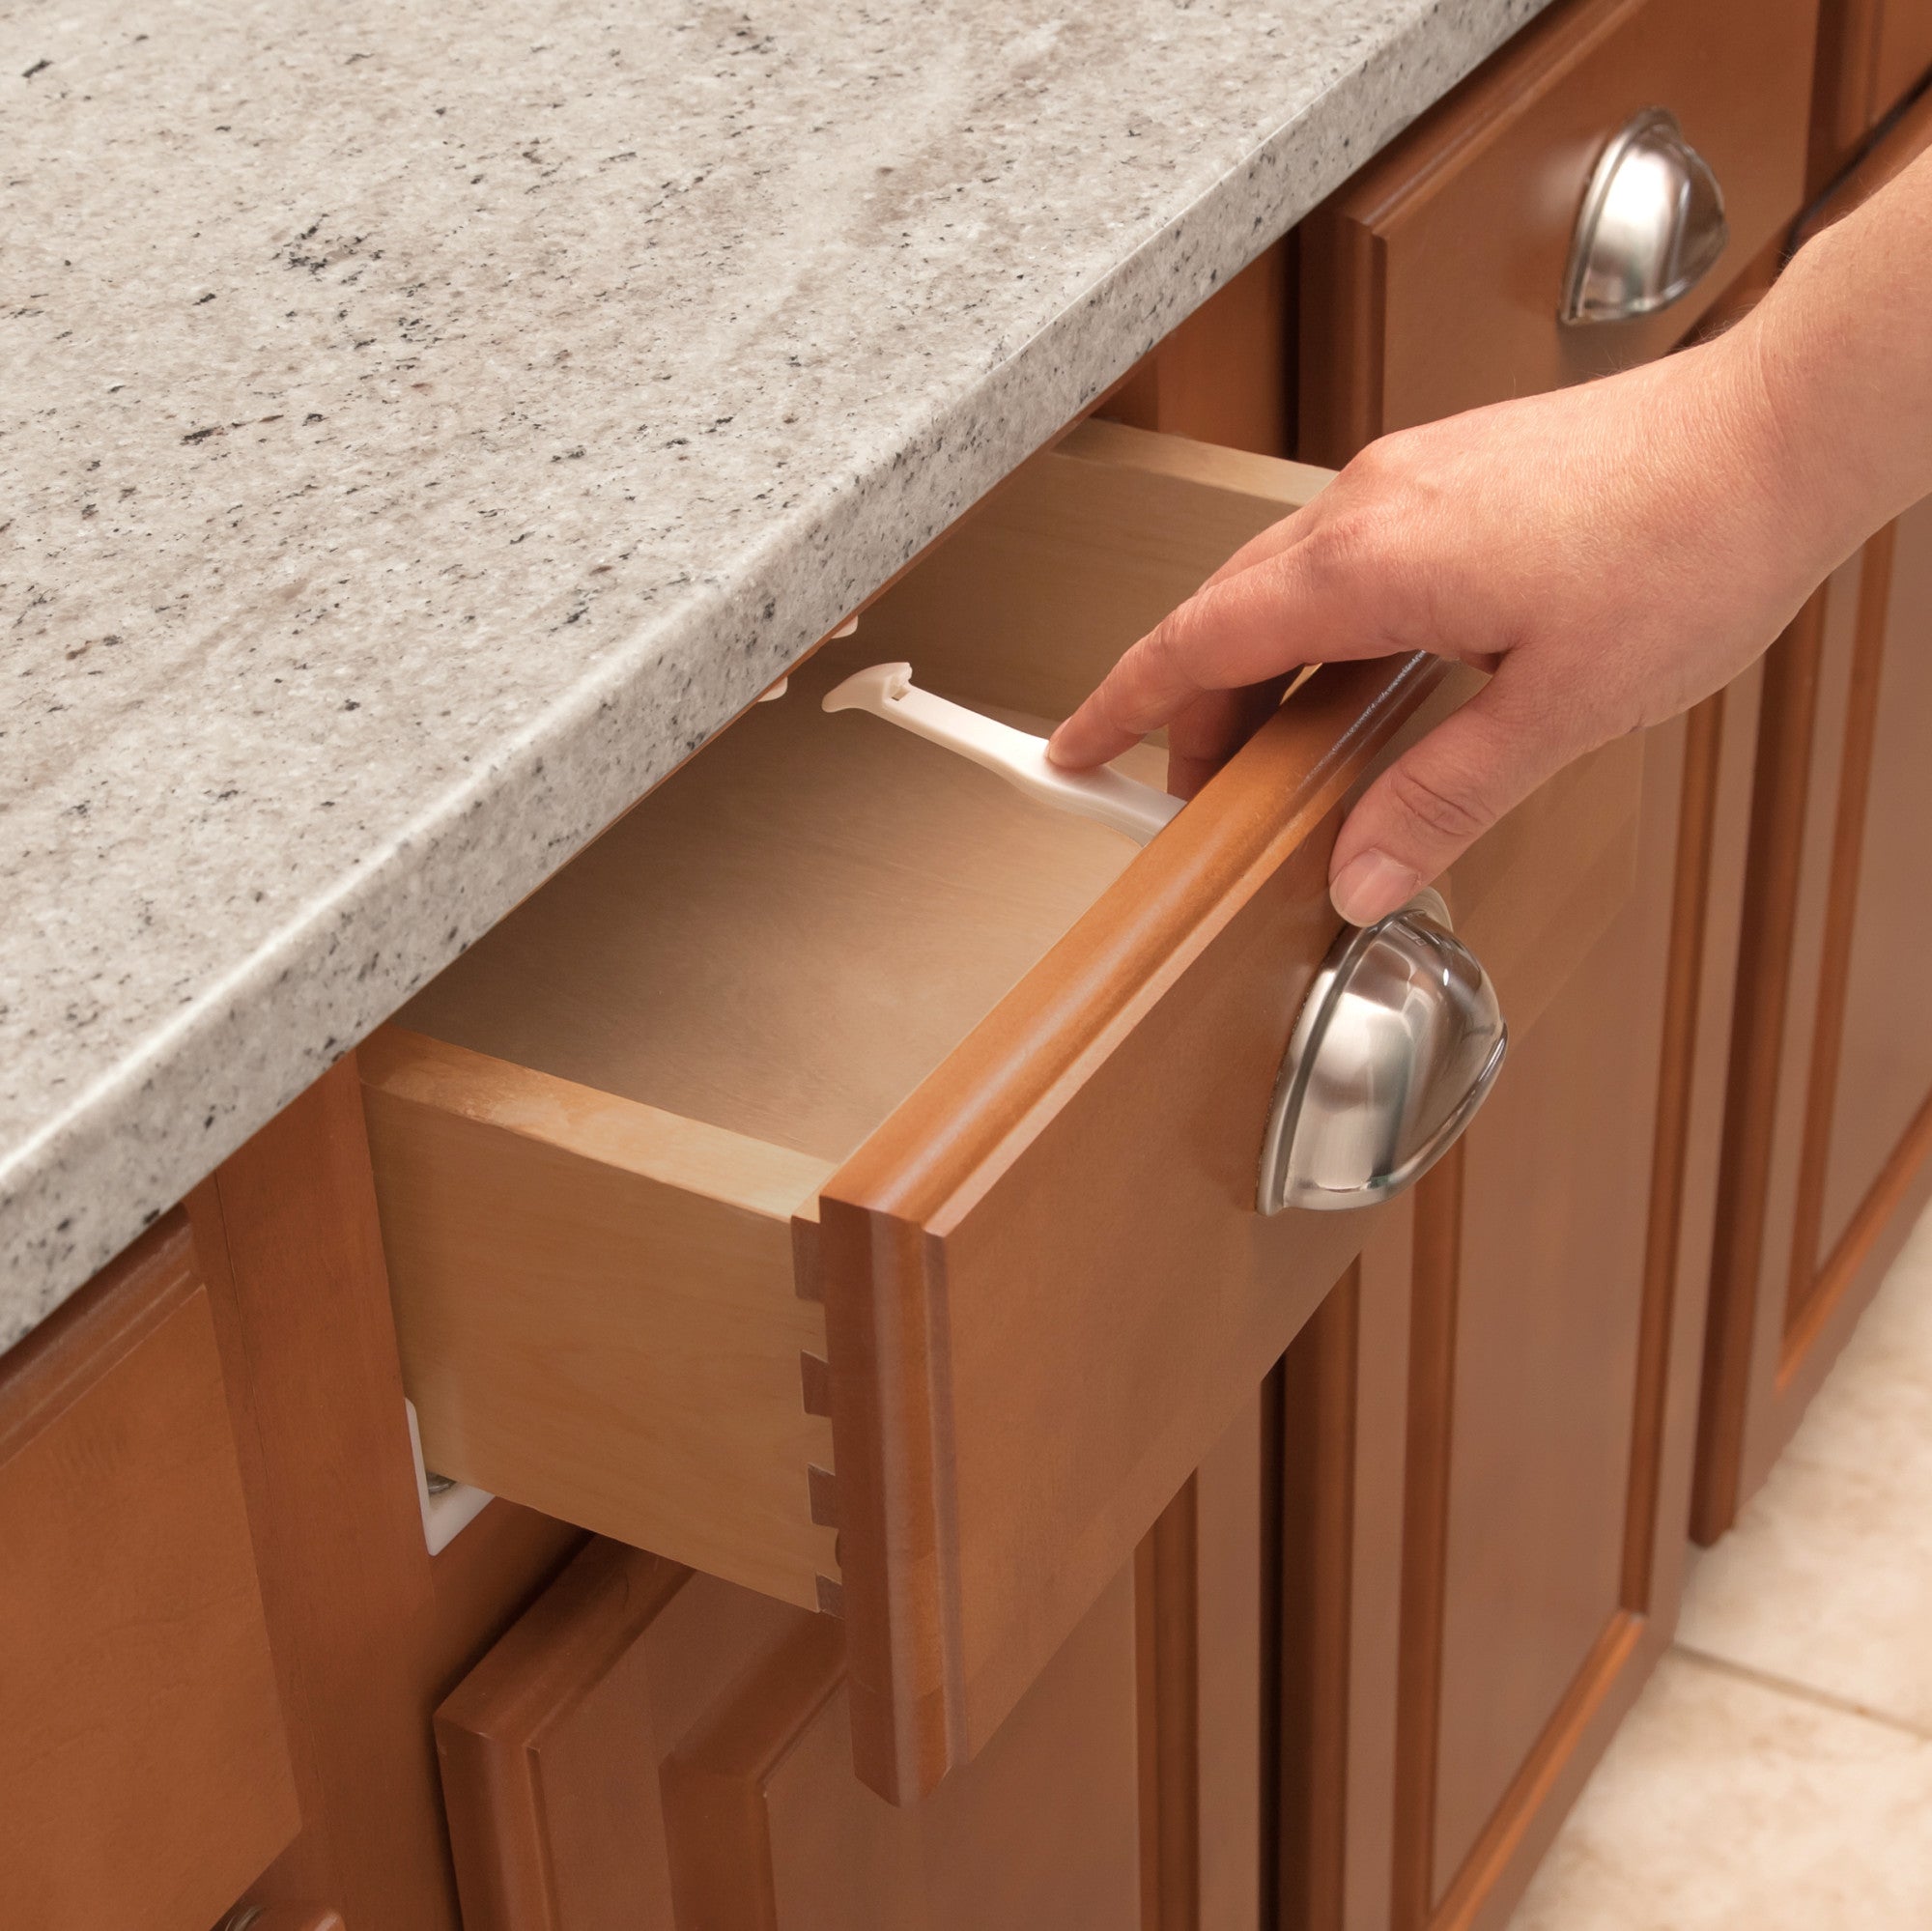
423, 425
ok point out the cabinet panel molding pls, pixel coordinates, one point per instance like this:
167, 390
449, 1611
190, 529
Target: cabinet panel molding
769, 1830
1828, 1135
1453, 1791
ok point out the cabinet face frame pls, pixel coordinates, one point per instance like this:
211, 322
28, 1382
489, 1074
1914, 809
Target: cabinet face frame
1781, 1309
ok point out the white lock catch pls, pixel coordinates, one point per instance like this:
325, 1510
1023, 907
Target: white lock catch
1108, 797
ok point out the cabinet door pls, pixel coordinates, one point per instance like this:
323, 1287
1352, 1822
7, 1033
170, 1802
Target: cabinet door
1497, 1409
1489, 1431
1829, 1134
649, 1748
144, 1770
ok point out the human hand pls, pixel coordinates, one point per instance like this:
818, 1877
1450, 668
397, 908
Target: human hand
1611, 553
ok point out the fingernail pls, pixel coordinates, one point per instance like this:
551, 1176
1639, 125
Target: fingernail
1371, 886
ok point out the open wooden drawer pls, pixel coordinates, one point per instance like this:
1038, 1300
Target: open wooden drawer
841, 1177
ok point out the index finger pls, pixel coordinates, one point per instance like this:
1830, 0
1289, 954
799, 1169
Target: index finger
1290, 609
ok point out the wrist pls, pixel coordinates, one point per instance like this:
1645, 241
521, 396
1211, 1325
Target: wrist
1787, 440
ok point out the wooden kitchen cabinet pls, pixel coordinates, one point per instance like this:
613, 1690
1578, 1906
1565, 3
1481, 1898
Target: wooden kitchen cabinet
1494, 1419
145, 1779
649, 1748
1829, 1136
648, 1223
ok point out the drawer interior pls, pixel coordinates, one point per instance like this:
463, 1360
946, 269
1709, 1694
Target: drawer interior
787, 935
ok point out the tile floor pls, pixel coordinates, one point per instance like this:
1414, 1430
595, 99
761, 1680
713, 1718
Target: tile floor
1776, 1775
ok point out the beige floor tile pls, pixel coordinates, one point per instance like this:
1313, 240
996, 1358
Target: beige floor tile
1726, 1806
1827, 1579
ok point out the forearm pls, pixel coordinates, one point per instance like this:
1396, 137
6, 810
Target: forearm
1841, 353
1613, 552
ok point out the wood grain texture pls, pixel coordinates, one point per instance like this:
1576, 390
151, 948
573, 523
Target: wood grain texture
1551, 1304
770, 1832
367, 1632
793, 930
1168, 1658
1232, 1644
1883, 1073
597, 1312
1366, 1752
1434, 1295
1226, 375
1823, 1152
1200, 1648
1319, 1507
1902, 57
1841, 1151
144, 1771
1804, 677
1430, 283
548, 1757
1012, 1182
1470, 1722
553, 1747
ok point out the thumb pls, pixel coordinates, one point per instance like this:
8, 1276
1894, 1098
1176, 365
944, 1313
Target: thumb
1438, 798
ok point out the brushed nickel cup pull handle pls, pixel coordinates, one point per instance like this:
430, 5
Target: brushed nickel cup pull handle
1396, 1048
1651, 228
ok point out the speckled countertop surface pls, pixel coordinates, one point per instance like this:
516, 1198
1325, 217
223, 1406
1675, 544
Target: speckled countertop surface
423, 424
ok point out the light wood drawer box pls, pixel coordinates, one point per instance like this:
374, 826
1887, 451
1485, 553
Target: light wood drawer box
144, 1771
1430, 283
841, 1177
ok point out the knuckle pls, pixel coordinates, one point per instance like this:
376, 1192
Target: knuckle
1439, 809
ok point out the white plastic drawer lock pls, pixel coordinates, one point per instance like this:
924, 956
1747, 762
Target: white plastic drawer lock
1108, 797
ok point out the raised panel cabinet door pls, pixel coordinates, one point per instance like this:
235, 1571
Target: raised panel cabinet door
1881, 1125
551, 1748
144, 1770
1206, 1652
1827, 1138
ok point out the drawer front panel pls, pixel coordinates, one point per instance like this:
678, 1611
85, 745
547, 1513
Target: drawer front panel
144, 1773
1431, 283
